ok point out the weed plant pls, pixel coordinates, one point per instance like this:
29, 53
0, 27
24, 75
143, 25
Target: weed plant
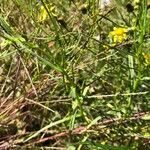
74, 74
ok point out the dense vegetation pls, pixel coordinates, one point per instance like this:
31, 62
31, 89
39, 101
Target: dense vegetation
74, 74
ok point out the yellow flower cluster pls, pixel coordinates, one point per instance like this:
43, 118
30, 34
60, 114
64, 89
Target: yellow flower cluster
136, 4
43, 12
147, 59
118, 35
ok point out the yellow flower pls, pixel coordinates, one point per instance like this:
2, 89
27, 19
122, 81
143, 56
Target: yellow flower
43, 12
118, 35
136, 4
147, 59
105, 47
136, 1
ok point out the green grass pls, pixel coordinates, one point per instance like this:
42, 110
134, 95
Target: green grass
65, 83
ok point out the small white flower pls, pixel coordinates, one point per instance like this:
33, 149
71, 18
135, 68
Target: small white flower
104, 3
98, 38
